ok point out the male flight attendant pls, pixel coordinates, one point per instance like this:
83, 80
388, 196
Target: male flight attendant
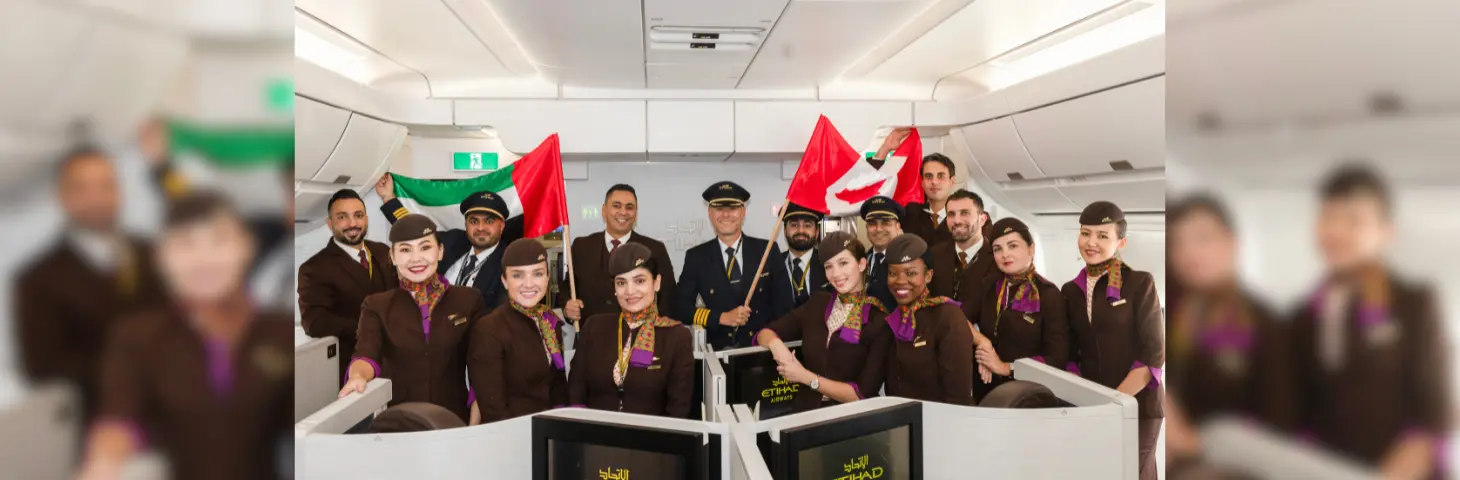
334, 282
473, 256
929, 219
719, 273
591, 253
961, 267
797, 272
882, 215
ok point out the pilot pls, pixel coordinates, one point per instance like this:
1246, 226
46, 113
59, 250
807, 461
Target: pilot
1369, 345
416, 335
517, 364
591, 253
797, 272
1119, 340
208, 380
334, 282
963, 265
844, 336
932, 356
720, 273
471, 258
882, 215
1022, 312
929, 218
1229, 353
634, 361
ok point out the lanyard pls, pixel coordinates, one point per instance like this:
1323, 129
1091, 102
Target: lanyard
791, 272
730, 266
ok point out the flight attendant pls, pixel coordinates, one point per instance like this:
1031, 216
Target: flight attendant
473, 256
1374, 379
962, 267
1228, 353
929, 219
634, 361
883, 217
931, 357
206, 381
516, 353
1022, 312
416, 335
590, 259
334, 282
844, 336
1115, 318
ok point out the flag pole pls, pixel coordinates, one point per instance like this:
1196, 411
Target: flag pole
568, 257
775, 233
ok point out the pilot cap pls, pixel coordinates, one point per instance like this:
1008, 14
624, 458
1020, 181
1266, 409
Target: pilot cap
524, 252
906, 248
1008, 225
836, 242
726, 194
412, 227
628, 257
484, 201
1101, 213
881, 207
794, 211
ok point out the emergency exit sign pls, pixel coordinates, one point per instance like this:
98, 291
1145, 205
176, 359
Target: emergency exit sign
474, 161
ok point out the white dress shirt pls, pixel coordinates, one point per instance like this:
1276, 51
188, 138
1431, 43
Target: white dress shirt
971, 253
739, 255
608, 240
455, 271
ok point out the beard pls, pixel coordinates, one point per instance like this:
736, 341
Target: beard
344, 237
801, 242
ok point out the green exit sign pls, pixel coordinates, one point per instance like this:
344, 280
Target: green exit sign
474, 161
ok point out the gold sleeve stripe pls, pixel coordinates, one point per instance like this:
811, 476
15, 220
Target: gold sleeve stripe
702, 316
401, 213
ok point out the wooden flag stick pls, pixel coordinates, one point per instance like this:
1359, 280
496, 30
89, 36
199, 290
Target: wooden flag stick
775, 233
572, 280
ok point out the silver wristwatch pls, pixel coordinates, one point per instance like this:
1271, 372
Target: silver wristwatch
816, 383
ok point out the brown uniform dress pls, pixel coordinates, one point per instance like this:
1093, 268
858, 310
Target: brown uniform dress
862, 364
509, 367
1123, 334
333, 285
936, 364
595, 285
966, 284
664, 388
214, 413
1394, 378
1238, 366
1042, 335
66, 309
420, 370
918, 221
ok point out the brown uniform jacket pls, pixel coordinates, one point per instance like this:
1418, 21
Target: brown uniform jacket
1043, 335
333, 285
968, 284
1124, 332
595, 285
937, 364
509, 367
918, 221
65, 309
392, 335
159, 374
1246, 371
863, 364
663, 388
1395, 376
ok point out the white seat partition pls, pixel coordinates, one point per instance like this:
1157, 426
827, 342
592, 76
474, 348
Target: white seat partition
41, 433
339, 416
316, 375
1236, 444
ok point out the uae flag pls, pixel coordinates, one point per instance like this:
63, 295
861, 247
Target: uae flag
835, 179
532, 187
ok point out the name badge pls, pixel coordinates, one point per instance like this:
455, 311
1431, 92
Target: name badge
919, 344
1383, 334
1028, 319
654, 367
1118, 303
458, 321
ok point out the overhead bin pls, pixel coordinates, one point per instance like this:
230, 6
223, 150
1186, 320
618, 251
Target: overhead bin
691, 130
1146, 195
766, 127
584, 126
318, 128
996, 147
1083, 136
1041, 200
363, 149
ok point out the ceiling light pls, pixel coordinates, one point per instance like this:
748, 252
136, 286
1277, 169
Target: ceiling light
1117, 28
330, 56
737, 47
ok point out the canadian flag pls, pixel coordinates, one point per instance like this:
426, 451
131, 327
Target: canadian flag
834, 178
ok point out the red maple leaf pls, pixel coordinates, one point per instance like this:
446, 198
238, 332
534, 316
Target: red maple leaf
855, 196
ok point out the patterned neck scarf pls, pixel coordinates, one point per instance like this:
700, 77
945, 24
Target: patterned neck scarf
640, 352
1373, 292
426, 294
1110, 267
861, 305
1211, 323
547, 325
1018, 293
904, 320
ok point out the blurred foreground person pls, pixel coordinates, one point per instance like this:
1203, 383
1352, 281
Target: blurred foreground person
206, 381
70, 298
1373, 375
1228, 353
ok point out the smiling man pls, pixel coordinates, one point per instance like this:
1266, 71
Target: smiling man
472, 256
335, 281
963, 264
591, 253
798, 271
929, 219
720, 271
882, 215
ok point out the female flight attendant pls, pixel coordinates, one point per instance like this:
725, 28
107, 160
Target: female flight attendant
844, 337
516, 351
1115, 318
1228, 352
634, 361
931, 357
1023, 313
416, 335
